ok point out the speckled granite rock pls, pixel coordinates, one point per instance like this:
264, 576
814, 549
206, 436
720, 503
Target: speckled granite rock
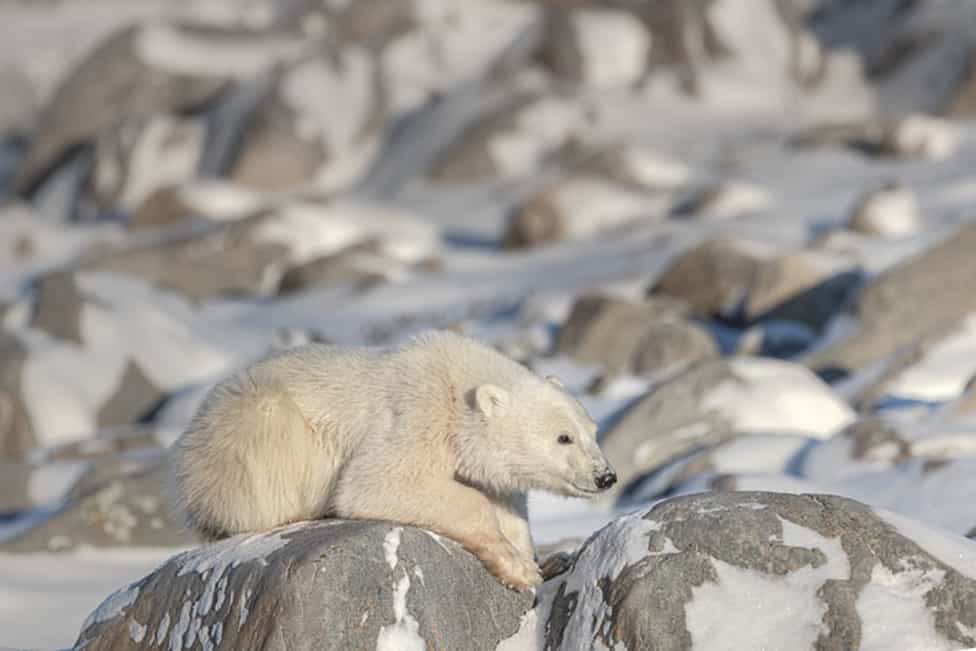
313, 585
805, 571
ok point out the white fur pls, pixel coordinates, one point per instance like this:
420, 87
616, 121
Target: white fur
442, 433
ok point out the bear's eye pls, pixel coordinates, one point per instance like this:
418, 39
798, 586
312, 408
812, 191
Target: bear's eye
564, 439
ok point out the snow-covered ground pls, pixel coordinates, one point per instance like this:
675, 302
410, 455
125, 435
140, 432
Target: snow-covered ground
460, 167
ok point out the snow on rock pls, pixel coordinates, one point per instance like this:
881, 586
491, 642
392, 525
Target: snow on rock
921, 136
311, 583
944, 369
891, 211
65, 383
449, 45
180, 51
578, 207
640, 166
693, 569
341, 125
772, 395
713, 401
596, 47
726, 200
744, 281
907, 303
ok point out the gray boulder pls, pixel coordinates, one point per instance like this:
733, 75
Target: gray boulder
16, 431
762, 570
313, 585
222, 259
575, 46
627, 336
923, 297
712, 401
540, 123
116, 504
49, 477
110, 86
288, 140
745, 282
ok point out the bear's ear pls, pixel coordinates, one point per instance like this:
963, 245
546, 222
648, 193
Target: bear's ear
552, 379
490, 399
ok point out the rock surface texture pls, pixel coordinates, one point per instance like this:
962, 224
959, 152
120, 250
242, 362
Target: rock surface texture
805, 571
324, 585
823, 571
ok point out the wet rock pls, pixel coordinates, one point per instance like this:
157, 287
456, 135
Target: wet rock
595, 47
320, 585
745, 282
822, 570
923, 297
712, 401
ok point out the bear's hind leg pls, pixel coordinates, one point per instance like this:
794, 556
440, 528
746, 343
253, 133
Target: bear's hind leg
246, 463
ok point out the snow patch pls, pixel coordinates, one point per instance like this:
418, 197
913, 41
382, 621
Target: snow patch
782, 611
50, 482
173, 50
137, 631
955, 551
943, 371
894, 614
620, 544
113, 606
776, 396
402, 634
391, 543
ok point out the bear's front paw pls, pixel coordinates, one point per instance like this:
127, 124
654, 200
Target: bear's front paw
511, 568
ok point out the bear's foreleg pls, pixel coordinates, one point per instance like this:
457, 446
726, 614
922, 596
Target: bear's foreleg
459, 512
513, 520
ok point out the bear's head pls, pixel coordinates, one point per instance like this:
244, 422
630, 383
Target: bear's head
531, 435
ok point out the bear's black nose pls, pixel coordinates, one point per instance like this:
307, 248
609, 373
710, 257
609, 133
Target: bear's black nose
606, 480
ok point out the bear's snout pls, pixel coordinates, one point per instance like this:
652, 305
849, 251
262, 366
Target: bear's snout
606, 480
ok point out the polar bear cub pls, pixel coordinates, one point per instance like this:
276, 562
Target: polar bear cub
442, 433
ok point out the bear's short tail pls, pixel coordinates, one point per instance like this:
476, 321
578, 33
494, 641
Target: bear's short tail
243, 465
